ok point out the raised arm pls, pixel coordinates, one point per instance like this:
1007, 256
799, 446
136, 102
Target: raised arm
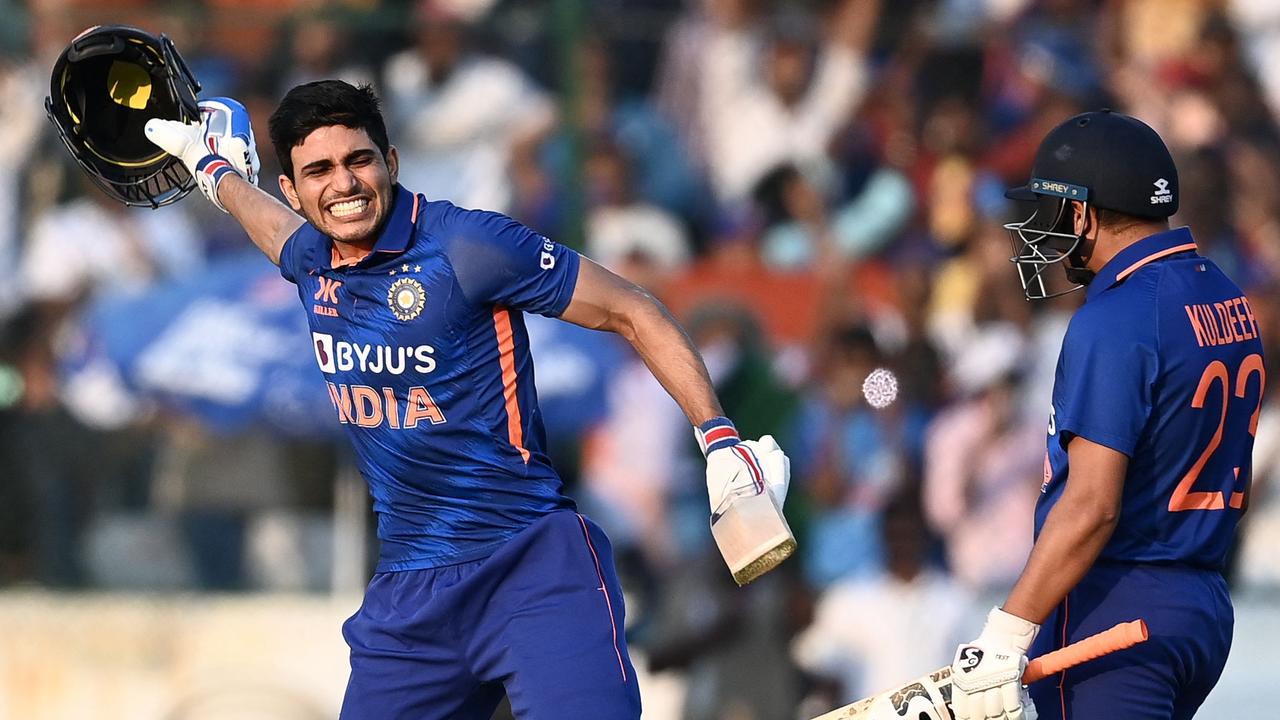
222, 157
604, 301
267, 221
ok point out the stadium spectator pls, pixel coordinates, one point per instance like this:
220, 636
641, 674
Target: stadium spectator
805, 232
849, 458
640, 132
20, 91
625, 234
318, 48
984, 461
867, 634
464, 118
788, 112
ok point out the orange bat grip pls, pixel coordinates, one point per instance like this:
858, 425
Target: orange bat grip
1119, 637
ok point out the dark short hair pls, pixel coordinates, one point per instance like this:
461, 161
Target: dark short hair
323, 103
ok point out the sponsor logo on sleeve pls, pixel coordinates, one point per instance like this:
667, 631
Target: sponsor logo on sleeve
547, 259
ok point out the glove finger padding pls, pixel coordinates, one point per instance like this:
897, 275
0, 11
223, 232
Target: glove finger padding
993, 702
186, 141
776, 465
173, 137
960, 704
229, 133
729, 474
242, 158
766, 444
1011, 701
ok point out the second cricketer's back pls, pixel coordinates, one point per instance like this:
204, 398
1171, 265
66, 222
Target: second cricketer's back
426, 358
1162, 363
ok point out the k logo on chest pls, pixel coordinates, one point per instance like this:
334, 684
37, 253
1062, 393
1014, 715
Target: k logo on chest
326, 297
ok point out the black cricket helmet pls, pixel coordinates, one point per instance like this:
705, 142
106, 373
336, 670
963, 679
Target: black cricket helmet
1105, 159
106, 85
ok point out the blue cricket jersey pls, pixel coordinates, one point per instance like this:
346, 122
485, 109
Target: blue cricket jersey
1162, 363
427, 360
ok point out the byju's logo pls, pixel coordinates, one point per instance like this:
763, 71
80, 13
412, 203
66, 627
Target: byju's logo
324, 351
1163, 194
334, 356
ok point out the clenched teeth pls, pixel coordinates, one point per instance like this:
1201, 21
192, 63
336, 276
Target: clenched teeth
348, 207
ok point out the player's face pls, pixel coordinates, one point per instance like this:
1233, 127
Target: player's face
342, 184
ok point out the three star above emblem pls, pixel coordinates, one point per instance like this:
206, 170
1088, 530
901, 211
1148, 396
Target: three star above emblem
404, 268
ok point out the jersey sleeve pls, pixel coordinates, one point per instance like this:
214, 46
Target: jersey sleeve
498, 261
291, 254
1110, 368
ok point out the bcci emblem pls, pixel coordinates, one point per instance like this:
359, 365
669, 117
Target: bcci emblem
406, 298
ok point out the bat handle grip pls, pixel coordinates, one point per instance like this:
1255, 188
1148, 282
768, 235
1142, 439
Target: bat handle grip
1123, 635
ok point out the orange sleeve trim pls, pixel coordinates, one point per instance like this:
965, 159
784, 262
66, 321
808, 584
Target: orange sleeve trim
1154, 256
507, 358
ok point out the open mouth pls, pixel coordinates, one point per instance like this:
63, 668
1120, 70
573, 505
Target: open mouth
349, 209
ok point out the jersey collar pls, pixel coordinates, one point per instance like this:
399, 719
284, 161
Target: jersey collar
397, 232
1147, 250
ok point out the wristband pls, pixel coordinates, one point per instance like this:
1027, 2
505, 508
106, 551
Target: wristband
215, 167
716, 434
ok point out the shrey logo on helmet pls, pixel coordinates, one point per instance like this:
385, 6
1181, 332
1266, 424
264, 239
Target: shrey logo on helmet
105, 86
1104, 160
1163, 194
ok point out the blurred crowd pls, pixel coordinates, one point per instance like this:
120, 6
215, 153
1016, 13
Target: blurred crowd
814, 187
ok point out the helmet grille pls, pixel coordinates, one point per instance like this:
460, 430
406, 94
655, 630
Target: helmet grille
106, 85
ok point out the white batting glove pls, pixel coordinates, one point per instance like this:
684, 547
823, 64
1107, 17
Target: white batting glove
221, 143
738, 467
986, 676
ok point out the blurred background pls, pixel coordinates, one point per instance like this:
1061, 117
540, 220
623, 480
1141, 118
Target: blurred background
813, 187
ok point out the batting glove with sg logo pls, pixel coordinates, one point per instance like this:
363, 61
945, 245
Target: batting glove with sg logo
986, 676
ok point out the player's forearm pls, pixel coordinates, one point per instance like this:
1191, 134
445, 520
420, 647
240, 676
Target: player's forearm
670, 355
266, 220
605, 301
1073, 536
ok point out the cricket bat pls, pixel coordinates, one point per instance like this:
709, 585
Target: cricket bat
929, 697
752, 535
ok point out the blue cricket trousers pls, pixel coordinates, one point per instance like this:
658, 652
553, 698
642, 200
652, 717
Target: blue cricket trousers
1189, 615
540, 619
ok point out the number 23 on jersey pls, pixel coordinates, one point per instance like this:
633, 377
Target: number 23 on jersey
1185, 497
